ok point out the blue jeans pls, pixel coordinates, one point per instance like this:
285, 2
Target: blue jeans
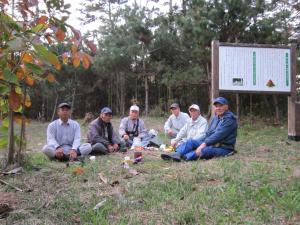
187, 150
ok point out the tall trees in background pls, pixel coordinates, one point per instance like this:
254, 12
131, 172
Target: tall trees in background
153, 56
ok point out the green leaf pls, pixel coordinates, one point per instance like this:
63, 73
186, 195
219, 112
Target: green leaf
39, 28
5, 123
3, 90
16, 44
3, 142
10, 77
9, 21
46, 55
34, 68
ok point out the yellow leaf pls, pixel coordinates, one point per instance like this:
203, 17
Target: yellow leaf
57, 66
76, 61
85, 61
18, 119
50, 77
20, 74
73, 49
60, 34
27, 57
65, 58
27, 101
29, 80
18, 90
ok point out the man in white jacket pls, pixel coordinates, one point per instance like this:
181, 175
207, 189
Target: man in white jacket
195, 128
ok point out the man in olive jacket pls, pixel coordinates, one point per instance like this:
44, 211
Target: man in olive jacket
101, 134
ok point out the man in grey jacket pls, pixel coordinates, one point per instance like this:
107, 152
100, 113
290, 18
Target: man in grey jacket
101, 134
195, 128
176, 121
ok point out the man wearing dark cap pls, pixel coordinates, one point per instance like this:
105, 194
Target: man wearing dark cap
63, 137
101, 134
175, 121
219, 140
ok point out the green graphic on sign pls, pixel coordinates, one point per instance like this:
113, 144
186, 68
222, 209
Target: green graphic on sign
254, 68
286, 69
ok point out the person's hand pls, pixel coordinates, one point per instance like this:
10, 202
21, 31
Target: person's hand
170, 132
116, 147
73, 154
199, 149
126, 137
59, 153
173, 143
110, 148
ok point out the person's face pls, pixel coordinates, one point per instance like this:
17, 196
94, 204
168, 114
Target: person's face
194, 113
175, 111
106, 117
64, 113
220, 109
133, 114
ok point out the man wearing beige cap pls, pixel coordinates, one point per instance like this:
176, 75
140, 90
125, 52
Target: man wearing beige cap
175, 121
132, 126
195, 128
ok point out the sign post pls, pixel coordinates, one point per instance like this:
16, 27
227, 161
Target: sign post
255, 68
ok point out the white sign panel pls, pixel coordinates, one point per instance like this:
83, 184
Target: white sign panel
254, 69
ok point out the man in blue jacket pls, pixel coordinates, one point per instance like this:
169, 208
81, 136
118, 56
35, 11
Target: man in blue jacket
219, 139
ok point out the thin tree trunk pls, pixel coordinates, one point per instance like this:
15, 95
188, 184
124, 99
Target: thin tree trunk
11, 141
237, 97
267, 105
23, 130
54, 108
74, 93
251, 109
122, 93
277, 117
146, 82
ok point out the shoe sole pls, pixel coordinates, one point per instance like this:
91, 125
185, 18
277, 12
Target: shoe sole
168, 157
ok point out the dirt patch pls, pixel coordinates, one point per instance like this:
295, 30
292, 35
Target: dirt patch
9, 199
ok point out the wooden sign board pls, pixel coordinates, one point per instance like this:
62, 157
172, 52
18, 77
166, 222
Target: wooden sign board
254, 69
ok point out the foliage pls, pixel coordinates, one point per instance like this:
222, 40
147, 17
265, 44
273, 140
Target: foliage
25, 55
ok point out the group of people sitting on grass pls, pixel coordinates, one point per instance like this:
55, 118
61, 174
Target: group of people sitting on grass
190, 136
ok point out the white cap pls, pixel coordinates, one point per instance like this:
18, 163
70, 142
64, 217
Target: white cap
194, 106
134, 108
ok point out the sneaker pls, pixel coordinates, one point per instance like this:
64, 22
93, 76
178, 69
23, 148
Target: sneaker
171, 156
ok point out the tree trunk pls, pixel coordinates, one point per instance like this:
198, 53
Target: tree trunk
74, 93
11, 141
267, 105
122, 93
237, 97
23, 129
55, 105
277, 117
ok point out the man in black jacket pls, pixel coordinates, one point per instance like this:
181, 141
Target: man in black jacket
102, 135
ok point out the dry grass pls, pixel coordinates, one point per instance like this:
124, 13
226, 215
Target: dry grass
259, 185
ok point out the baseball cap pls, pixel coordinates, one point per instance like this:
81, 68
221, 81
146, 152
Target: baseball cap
221, 100
64, 104
194, 106
106, 110
174, 105
134, 108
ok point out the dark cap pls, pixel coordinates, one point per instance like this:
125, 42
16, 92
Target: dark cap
221, 100
174, 105
106, 110
64, 104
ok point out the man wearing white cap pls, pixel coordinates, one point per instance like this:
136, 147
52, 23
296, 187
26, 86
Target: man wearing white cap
195, 128
132, 126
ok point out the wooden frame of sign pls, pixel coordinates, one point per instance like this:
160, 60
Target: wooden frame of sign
281, 60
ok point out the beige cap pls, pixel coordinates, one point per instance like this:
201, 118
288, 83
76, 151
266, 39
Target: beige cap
194, 106
134, 108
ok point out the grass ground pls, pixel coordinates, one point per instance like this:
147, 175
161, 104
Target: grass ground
259, 185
